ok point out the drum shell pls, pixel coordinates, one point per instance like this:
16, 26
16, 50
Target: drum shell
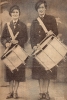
50, 52
15, 57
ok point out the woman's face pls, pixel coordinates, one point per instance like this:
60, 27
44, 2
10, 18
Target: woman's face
41, 10
15, 14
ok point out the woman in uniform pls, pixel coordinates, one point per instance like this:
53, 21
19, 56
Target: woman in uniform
37, 34
15, 76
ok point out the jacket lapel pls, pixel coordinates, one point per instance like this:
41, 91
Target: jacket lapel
17, 24
15, 30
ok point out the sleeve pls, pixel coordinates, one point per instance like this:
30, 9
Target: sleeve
32, 35
54, 26
4, 37
23, 37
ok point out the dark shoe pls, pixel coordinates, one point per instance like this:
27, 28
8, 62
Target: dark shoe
44, 96
15, 95
40, 96
47, 96
10, 95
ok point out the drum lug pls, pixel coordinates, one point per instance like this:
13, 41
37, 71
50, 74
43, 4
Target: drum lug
23, 63
17, 69
64, 59
57, 65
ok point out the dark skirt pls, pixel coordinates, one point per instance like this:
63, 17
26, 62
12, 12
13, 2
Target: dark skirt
39, 72
15, 75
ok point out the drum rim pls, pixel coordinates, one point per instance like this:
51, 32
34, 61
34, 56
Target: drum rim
48, 37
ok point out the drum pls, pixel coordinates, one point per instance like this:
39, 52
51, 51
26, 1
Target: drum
50, 52
14, 57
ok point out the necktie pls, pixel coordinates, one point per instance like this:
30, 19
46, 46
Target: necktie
42, 18
14, 24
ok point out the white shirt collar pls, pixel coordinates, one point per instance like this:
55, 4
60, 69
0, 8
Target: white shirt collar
15, 21
42, 15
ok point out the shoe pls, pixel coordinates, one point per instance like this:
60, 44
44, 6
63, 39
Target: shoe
47, 96
15, 95
43, 96
10, 95
40, 96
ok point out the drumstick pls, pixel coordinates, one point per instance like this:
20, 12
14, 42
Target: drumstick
9, 51
46, 38
6, 49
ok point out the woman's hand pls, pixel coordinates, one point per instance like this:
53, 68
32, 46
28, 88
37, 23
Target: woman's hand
59, 36
14, 41
35, 48
38, 45
8, 45
50, 32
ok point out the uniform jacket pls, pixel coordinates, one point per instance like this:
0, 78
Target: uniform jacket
37, 34
22, 36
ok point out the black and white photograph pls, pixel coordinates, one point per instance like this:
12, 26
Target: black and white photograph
33, 49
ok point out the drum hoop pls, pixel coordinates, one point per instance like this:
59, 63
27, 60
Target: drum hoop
45, 45
47, 38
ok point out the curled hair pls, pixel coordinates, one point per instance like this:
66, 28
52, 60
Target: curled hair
39, 3
12, 8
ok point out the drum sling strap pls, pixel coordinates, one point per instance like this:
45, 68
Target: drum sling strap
45, 30
42, 25
11, 34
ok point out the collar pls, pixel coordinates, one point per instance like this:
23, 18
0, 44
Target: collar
15, 21
41, 16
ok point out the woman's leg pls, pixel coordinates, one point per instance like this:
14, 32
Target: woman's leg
41, 88
45, 89
10, 95
11, 83
16, 85
41, 85
46, 85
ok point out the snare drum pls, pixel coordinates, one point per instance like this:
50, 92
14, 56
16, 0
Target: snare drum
14, 57
50, 52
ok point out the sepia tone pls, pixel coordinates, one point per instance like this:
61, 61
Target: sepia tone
29, 90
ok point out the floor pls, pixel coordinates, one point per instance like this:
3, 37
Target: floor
29, 90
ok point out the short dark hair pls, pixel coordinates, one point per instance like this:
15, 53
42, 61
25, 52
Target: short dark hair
12, 8
39, 3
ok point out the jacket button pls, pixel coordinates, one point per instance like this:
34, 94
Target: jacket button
10, 37
39, 35
39, 31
